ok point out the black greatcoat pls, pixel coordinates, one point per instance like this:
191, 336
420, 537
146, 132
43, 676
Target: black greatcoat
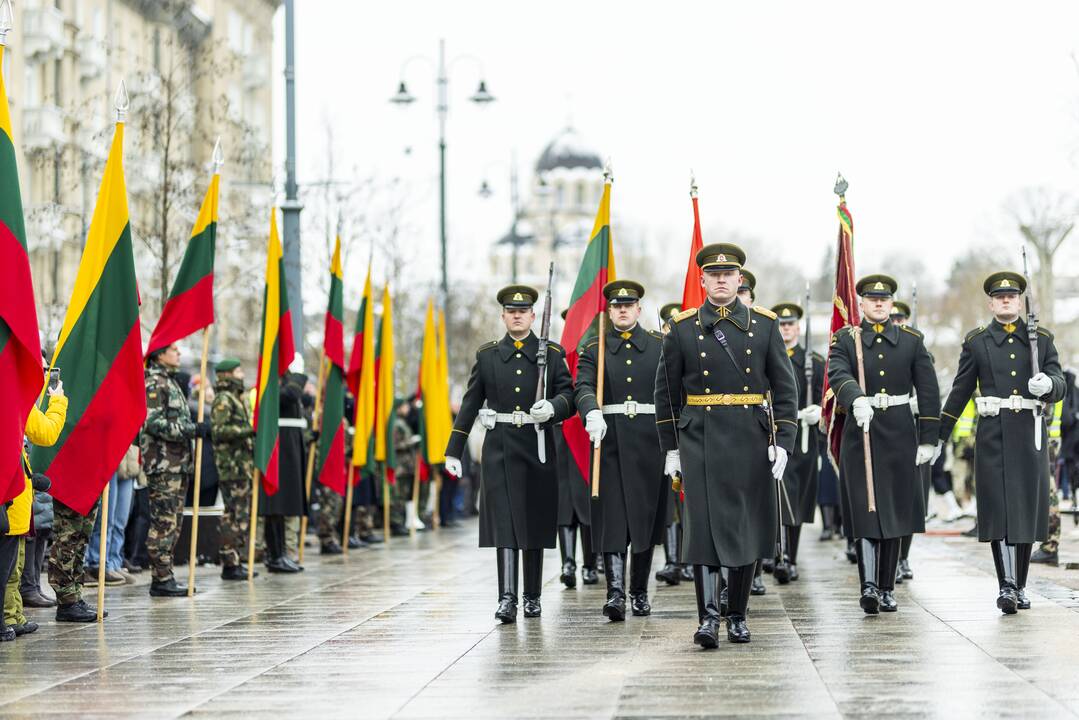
632, 505
896, 363
518, 493
289, 498
730, 516
573, 493
800, 477
1012, 477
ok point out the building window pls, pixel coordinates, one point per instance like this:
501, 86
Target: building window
580, 194
58, 83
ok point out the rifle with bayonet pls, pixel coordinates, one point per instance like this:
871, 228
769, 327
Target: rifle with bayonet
541, 364
1035, 361
781, 489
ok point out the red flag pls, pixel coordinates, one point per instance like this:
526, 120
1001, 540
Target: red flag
692, 290
844, 313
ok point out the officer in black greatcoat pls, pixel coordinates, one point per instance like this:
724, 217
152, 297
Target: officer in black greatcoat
1011, 450
900, 315
631, 506
719, 364
799, 502
519, 490
897, 365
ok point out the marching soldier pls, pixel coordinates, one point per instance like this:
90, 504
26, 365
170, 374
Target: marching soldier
673, 571
1011, 448
896, 365
631, 506
720, 362
519, 492
234, 443
799, 502
747, 288
165, 443
574, 498
900, 315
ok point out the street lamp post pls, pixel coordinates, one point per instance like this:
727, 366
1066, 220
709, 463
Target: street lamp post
404, 98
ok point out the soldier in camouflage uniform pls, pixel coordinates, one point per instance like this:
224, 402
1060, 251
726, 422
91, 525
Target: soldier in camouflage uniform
67, 552
405, 441
233, 435
330, 507
165, 443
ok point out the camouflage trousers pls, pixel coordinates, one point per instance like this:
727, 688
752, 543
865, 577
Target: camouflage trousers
12, 598
167, 491
70, 536
363, 521
330, 507
235, 518
401, 493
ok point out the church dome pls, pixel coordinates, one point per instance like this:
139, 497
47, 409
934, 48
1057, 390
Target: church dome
567, 150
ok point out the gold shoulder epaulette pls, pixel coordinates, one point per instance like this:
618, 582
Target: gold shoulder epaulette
972, 333
656, 334
487, 346
551, 345
684, 314
911, 330
816, 356
1045, 332
761, 310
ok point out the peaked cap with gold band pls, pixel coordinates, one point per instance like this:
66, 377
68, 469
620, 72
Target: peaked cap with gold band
623, 292
749, 282
880, 286
517, 296
669, 310
1004, 281
900, 309
788, 312
720, 256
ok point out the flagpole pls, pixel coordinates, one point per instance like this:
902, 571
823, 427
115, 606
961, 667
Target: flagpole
254, 525
348, 508
385, 502
600, 368
192, 555
316, 421
867, 453
415, 497
436, 514
102, 550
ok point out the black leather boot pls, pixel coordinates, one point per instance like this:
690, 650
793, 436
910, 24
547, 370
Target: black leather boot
794, 537
671, 573
614, 569
567, 543
507, 585
724, 590
903, 571
532, 574
888, 555
739, 584
758, 582
589, 571
827, 521
706, 585
78, 612
852, 551
639, 567
1004, 558
782, 567
866, 551
1022, 567
167, 588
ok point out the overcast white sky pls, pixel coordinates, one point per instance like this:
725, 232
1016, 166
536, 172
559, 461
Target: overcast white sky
935, 112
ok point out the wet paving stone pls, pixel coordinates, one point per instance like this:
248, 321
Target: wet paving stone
407, 631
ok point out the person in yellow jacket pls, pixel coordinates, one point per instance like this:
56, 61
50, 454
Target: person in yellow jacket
42, 428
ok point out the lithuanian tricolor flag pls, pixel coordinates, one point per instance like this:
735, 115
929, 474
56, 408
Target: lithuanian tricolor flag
586, 303
433, 391
275, 354
362, 376
99, 353
384, 401
331, 443
20, 347
190, 306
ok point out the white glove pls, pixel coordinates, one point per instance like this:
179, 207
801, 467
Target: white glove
1039, 385
924, 454
937, 451
453, 466
488, 418
780, 462
673, 464
542, 411
914, 405
810, 414
596, 426
863, 412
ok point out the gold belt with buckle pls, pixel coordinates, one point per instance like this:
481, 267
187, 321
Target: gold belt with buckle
726, 399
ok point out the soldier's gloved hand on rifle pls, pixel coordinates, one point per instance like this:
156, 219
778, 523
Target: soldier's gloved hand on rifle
779, 464
937, 451
810, 414
862, 411
596, 426
1039, 385
488, 418
924, 454
542, 411
672, 465
453, 466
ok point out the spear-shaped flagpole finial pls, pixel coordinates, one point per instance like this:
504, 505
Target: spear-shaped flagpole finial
7, 20
692, 184
122, 102
608, 174
217, 157
840, 185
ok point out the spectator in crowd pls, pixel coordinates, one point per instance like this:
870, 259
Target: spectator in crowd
36, 545
121, 493
289, 499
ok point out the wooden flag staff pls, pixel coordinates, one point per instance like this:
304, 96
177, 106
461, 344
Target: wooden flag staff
316, 424
193, 555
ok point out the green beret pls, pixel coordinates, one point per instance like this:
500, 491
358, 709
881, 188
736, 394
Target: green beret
227, 365
880, 286
623, 292
788, 312
517, 296
720, 256
1005, 281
